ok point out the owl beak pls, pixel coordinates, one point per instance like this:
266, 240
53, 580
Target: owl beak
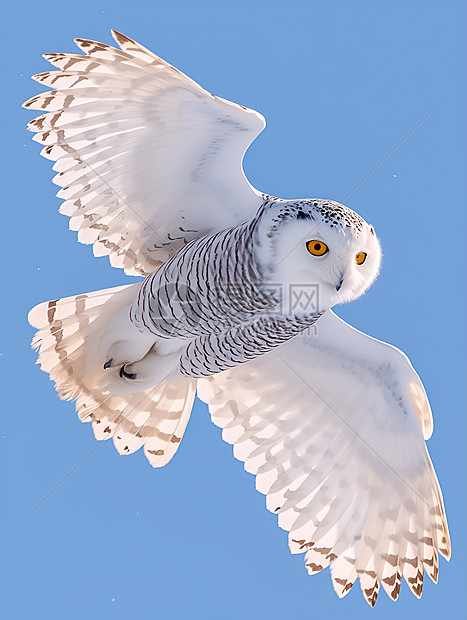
338, 286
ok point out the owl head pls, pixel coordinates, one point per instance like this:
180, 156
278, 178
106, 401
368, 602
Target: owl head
318, 243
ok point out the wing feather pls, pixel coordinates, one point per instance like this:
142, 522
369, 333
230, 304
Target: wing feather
146, 158
333, 426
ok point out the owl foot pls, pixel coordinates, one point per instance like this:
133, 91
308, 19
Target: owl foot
126, 375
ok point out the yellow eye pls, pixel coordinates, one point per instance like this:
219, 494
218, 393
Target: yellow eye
360, 258
317, 248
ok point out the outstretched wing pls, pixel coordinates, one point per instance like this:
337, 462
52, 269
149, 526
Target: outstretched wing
333, 426
146, 158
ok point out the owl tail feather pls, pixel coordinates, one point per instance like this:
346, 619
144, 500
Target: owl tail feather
74, 338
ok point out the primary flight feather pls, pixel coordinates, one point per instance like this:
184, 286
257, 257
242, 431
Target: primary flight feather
237, 303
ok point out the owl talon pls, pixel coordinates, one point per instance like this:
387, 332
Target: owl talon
127, 375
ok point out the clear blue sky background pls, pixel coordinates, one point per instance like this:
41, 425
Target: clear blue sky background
340, 83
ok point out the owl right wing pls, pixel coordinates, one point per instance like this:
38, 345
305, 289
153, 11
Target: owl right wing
334, 424
146, 158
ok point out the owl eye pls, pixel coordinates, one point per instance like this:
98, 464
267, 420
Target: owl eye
317, 248
360, 258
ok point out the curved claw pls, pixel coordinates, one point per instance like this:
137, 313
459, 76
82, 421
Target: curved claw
127, 375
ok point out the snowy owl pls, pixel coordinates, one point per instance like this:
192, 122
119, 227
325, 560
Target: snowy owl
236, 303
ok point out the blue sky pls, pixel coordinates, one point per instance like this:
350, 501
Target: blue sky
340, 84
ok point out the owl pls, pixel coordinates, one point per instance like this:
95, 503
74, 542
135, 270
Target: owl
235, 306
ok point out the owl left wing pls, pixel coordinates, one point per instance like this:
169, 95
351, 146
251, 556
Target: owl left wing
334, 424
146, 158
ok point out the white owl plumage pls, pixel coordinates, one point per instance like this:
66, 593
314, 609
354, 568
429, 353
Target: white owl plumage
332, 422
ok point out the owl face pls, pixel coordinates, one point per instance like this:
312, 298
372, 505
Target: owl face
321, 244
